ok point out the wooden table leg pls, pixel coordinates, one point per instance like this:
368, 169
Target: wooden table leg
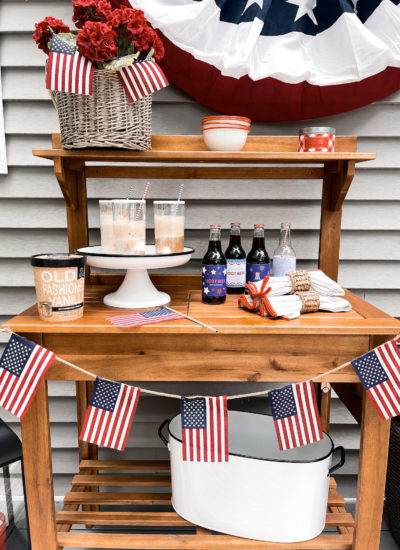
36, 445
371, 478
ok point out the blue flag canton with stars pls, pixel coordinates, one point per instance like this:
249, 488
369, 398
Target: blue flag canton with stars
105, 394
16, 354
155, 313
60, 46
282, 402
194, 415
370, 370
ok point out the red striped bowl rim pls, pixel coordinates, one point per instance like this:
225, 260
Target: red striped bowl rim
226, 128
226, 117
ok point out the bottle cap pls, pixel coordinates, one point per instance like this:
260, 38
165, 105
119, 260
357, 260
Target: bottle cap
215, 225
235, 223
258, 225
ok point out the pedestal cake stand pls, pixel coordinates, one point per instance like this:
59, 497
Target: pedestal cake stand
136, 290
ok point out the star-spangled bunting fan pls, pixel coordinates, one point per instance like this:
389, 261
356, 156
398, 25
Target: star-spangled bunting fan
205, 429
295, 414
379, 373
68, 70
109, 416
23, 366
142, 79
145, 318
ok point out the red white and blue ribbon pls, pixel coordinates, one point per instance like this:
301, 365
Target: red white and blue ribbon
280, 59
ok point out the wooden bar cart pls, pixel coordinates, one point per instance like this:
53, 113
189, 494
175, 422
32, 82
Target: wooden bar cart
246, 348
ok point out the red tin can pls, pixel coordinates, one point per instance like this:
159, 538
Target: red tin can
317, 140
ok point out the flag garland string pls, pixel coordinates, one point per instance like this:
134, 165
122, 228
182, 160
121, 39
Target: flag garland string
204, 419
176, 396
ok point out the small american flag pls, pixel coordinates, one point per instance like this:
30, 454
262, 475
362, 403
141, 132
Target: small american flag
295, 414
23, 366
109, 416
379, 373
145, 318
68, 70
142, 79
205, 429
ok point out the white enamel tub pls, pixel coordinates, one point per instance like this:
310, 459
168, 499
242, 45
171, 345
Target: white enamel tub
261, 493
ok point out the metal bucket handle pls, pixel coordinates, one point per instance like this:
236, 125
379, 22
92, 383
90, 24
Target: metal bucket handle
161, 435
341, 462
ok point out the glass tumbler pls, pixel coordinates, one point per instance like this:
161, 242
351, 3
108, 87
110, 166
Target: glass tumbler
129, 226
169, 226
106, 226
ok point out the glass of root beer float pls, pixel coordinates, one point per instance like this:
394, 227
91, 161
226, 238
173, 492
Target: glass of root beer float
169, 226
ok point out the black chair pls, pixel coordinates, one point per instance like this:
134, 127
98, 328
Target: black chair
11, 452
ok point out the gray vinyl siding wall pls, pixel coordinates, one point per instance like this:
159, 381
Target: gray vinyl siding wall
32, 220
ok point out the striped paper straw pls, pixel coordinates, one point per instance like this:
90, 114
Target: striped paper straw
130, 193
143, 197
285, 238
179, 196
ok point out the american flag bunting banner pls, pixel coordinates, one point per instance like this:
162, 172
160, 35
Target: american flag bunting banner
142, 79
68, 70
109, 416
205, 429
23, 366
379, 373
145, 318
295, 414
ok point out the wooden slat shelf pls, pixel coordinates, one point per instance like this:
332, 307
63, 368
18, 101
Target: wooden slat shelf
197, 538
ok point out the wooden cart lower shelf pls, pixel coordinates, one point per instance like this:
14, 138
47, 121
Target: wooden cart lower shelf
177, 532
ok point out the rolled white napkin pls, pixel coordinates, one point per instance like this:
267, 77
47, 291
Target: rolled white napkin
280, 286
290, 305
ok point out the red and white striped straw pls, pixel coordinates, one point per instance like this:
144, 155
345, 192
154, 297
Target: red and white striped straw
143, 197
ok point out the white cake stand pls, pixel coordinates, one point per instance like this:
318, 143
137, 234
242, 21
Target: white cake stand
136, 290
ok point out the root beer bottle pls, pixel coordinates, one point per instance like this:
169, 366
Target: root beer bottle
258, 262
235, 262
214, 270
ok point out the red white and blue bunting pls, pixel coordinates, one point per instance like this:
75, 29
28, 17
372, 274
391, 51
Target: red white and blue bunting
282, 59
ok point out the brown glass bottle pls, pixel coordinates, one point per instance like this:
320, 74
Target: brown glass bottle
236, 262
258, 262
213, 286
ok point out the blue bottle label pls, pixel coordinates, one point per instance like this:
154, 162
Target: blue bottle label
214, 280
257, 272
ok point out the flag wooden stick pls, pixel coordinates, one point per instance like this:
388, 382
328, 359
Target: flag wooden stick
192, 319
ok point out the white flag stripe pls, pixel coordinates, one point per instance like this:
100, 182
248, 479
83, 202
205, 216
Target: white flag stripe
30, 364
95, 425
121, 416
27, 391
395, 401
194, 452
67, 74
296, 434
222, 427
60, 72
378, 402
82, 62
87, 79
89, 424
201, 445
132, 392
119, 405
281, 433
208, 432
74, 69
311, 412
53, 70
133, 76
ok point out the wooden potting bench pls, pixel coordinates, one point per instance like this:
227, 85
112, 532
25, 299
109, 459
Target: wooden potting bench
246, 348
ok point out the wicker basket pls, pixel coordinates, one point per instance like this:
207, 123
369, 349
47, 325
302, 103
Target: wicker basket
393, 481
104, 119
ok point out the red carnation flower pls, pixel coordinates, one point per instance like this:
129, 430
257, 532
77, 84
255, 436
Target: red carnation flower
96, 41
122, 18
45, 30
147, 40
90, 10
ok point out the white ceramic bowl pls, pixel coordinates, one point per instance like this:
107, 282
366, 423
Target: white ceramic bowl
225, 139
229, 126
226, 119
